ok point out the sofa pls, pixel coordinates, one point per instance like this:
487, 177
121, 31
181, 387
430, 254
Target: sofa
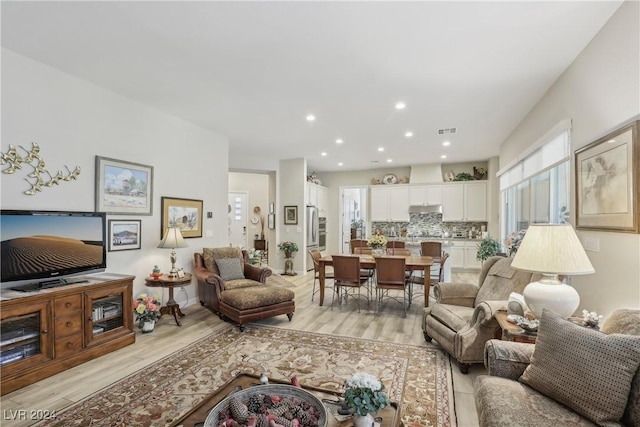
572, 376
462, 317
236, 290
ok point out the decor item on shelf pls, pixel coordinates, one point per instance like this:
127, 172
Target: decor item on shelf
313, 178
365, 394
390, 179
552, 249
156, 272
487, 248
15, 161
172, 239
513, 240
147, 311
591, 319
403, 180
357, 223
449, 176
463, 176
479, 173
376, 181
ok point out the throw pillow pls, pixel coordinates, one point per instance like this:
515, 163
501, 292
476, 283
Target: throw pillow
584, 369
230, 268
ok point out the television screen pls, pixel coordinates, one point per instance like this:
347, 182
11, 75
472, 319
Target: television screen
48, 245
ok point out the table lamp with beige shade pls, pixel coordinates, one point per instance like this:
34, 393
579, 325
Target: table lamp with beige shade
172, 239
552, 250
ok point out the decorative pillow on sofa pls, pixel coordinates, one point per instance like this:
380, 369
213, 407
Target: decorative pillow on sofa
584, 369
230, 268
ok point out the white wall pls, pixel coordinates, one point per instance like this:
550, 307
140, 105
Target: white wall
292, 181
599, 92
73, 121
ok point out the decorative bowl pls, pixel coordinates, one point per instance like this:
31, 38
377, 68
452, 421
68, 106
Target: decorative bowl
282, 390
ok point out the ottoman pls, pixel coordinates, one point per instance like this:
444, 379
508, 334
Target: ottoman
245, 305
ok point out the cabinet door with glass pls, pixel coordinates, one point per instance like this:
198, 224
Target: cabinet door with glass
109, 313
25, 337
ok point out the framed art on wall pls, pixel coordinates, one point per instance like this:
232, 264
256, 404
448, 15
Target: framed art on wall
125, 234
186, 214
608, 182
290, 215
271, 221
123, 187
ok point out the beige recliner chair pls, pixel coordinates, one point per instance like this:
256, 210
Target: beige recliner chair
462, 318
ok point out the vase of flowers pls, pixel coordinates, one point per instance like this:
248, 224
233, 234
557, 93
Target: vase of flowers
364, 394
513, 240
147, 310
378, 244
288, 248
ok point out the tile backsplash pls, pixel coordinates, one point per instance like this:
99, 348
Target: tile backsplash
426, 224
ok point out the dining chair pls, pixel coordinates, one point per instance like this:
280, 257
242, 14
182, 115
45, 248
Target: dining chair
346, 275
328, 273
432, 249
395, 244
362, 250
439, 277
390, 276
399, 251
435, 278
357, 243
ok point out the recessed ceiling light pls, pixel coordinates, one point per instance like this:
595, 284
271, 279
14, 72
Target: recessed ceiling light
340, 164
444, 156
380, 149
339, 141
446, 143
311, 118
408, 134
389, 160
400, 105
324, 153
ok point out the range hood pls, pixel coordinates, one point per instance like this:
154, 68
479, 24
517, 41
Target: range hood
424, 209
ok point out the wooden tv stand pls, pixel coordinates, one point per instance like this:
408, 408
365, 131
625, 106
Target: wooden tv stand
51, 330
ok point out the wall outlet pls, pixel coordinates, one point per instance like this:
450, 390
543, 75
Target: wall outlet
208, 233
591, 244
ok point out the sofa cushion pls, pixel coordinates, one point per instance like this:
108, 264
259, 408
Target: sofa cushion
577, 366
230, 268
210, 255
259, 296
455, 317
240, 283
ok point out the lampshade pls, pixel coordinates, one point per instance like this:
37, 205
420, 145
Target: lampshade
172, 239
552, 249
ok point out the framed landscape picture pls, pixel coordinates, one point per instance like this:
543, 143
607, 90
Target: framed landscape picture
186, 214
607, 182
125, 234
123, 187
290, 215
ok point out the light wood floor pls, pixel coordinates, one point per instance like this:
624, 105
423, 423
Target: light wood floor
59, 391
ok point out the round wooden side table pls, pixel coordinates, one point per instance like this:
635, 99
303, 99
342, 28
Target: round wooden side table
171, 307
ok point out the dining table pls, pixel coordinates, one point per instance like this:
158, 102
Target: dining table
412, 262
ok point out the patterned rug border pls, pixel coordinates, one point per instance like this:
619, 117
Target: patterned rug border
445, 413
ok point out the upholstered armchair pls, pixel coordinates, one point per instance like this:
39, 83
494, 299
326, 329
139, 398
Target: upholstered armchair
211, 283
462, 318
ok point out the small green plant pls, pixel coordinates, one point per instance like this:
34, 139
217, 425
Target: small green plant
357, 223
288, 246
365, 394
487, 248
464, 176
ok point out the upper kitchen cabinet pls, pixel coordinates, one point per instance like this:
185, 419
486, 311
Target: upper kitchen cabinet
464, 202
425, 195
316, 195
390, 203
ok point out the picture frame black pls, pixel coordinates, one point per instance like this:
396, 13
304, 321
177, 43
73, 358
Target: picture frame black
125, 234
290, 215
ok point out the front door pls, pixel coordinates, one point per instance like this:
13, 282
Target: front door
238, 219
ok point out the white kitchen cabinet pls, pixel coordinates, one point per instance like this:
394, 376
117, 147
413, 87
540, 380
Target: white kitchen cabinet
312, 194
470, 253
456, 255
464, 202
323, 201
463, 255
423, 195
390, 203
316, 195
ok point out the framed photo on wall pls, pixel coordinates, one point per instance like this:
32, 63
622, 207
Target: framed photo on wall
271, 221
123, 187
186, 214
290, 215
125, 234
608, 182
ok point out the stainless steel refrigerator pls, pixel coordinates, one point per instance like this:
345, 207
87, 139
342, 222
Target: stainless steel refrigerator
312, 233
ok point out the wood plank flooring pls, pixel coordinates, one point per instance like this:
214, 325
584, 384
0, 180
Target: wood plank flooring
59, 391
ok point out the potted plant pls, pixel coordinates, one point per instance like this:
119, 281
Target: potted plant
288, 248
156, 272
487, 248
464, 176
364, 394
147, 310
378, 244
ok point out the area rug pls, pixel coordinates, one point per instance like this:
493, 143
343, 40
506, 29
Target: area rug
419, 377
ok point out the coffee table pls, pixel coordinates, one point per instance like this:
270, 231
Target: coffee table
388, 417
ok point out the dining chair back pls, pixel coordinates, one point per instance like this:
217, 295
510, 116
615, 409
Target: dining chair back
439, 277
433, 249
362, 251
390, 275
399, 251
395, 244
346, 274
328, 274
357, 243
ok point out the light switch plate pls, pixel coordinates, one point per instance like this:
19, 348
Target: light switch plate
591, 244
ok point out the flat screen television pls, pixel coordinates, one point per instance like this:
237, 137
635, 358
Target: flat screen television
42, 249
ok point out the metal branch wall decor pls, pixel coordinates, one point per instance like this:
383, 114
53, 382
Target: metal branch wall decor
40, 177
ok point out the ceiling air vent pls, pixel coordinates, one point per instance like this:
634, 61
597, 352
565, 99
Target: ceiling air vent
447, 131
